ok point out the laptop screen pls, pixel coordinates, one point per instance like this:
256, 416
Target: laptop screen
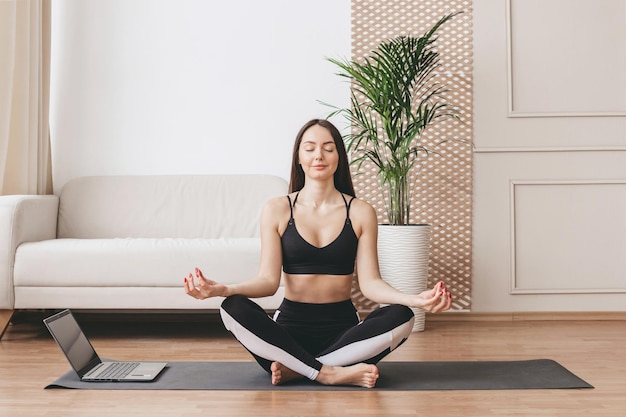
73, 342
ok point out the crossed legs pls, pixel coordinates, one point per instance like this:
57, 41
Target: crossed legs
284, 350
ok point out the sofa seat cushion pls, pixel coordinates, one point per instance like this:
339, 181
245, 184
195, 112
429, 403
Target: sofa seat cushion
133, 262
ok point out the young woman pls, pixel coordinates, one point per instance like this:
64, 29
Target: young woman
313, 238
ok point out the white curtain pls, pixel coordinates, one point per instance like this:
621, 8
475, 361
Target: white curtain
24, 97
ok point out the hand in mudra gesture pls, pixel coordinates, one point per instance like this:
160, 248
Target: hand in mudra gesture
434, 300
200, 287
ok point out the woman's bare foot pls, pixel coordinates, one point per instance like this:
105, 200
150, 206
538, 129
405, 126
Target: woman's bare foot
361, 375
281, 374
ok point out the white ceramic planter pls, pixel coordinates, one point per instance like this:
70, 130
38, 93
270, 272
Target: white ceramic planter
403, 254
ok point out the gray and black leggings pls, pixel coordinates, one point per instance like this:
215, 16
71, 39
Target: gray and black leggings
304, 336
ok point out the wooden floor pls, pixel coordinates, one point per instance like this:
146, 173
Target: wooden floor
594, 350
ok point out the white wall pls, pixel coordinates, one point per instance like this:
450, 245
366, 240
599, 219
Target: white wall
192, 86
189, 86
549, 232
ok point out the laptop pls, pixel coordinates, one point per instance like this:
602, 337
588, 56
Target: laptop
84, 359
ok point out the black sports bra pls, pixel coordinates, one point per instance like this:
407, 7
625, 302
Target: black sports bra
336, 258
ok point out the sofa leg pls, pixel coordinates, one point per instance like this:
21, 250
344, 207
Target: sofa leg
5, 319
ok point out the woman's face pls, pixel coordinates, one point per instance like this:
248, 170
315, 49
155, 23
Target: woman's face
318, 154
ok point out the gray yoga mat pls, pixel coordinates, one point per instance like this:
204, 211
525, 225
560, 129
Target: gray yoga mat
394, 376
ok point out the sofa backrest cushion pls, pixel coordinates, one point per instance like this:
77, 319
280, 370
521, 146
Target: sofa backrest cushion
162, 206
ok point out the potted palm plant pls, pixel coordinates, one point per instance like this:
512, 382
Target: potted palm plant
395, 97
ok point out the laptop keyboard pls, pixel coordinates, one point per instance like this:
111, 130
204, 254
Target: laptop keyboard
118, 370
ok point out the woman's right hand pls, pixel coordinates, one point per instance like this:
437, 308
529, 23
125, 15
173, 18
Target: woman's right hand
199, 287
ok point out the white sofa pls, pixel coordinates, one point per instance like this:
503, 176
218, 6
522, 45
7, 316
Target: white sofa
127, 242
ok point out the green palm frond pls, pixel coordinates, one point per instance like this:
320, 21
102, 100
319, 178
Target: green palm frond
394, 97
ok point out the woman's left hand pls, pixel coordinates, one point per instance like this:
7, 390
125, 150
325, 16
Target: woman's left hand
434, 300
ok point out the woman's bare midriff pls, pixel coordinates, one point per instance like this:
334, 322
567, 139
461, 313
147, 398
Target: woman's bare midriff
317, 289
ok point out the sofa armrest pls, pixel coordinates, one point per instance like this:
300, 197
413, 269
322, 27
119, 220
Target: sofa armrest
23, 218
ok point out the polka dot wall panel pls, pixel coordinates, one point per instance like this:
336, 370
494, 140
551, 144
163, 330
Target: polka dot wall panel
442, 190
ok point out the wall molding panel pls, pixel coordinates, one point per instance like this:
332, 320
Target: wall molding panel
567, 236
549, 170
555, 73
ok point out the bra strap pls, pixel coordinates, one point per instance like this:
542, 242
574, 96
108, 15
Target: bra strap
291, 206
348, 203
290, 210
